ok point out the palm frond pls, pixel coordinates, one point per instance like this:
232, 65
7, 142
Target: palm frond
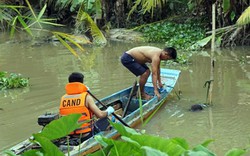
13, 7
33, 13
59, 37
25, 26
7, 15
147, 6
13, 26
96, 33
244, 18
75, 40
137, 3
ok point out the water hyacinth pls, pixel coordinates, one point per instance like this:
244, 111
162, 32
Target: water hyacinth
12, 80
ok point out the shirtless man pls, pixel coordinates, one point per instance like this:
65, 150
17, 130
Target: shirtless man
136, 58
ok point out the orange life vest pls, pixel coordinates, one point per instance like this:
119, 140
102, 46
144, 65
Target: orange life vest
74, 102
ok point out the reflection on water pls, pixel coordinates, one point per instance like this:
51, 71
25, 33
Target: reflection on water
48, 67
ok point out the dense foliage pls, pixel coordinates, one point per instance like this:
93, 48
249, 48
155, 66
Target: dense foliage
143, 144
12, 80
132, 142
181, 36
88, 16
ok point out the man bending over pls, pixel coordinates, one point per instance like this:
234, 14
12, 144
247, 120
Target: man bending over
136, 58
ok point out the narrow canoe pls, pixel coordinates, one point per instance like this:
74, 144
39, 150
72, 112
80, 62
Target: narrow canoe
129, 104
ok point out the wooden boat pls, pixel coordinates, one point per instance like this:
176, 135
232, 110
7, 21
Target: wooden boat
129, 112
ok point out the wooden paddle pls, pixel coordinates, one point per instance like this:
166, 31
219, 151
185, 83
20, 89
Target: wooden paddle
117, 117
132, 93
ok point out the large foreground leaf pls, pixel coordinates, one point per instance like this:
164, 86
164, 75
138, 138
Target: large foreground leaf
48, 148
169, 146
135, 141
61, 127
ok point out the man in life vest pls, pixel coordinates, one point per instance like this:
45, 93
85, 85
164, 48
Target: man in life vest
77, 100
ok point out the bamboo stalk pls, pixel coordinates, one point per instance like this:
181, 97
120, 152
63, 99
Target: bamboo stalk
212, 68
212, 55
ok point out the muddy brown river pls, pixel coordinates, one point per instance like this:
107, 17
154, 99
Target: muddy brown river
48, 66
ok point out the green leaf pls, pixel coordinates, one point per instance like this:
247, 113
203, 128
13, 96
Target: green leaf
33, 153
226, 5
235, 152
98, 9
195, 153
182, 142
25, 26
50, 23
123, 130
99, 139
125, 148
61, 127
96, 33
103, 152
218, 41
66, 44
173, 147
48, 148
74, 4
72, 39
13, 26
31, 9
41, 12
152, 152
244, 18
203, 149
207, 142
33, 13
9, 153
232, 15
13, 7
127, 139
204, 41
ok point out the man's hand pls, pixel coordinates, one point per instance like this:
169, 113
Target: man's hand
157, 94
110, 110
160, 85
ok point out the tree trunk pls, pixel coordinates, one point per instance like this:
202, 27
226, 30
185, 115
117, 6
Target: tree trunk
120, 13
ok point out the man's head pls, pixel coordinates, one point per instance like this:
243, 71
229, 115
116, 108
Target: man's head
171, 52
76, 77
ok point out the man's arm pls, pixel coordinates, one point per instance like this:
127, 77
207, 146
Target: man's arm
155, 74
92, 106
159, 77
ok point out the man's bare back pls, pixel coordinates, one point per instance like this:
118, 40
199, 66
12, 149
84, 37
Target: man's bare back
144, 54
135, 61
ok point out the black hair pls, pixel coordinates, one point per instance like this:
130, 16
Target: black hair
76, 77
171, 52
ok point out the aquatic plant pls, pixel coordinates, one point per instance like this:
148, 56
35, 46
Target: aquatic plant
144, 144
131, 141
181, 36
54, 130
12, 80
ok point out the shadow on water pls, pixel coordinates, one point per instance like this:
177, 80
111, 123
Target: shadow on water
48, 67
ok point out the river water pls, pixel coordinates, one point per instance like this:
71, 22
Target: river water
48, 66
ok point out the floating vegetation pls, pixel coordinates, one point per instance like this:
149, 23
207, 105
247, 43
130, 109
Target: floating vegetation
12, 80
180, 36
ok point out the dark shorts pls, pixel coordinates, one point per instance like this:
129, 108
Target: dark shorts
129, 62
